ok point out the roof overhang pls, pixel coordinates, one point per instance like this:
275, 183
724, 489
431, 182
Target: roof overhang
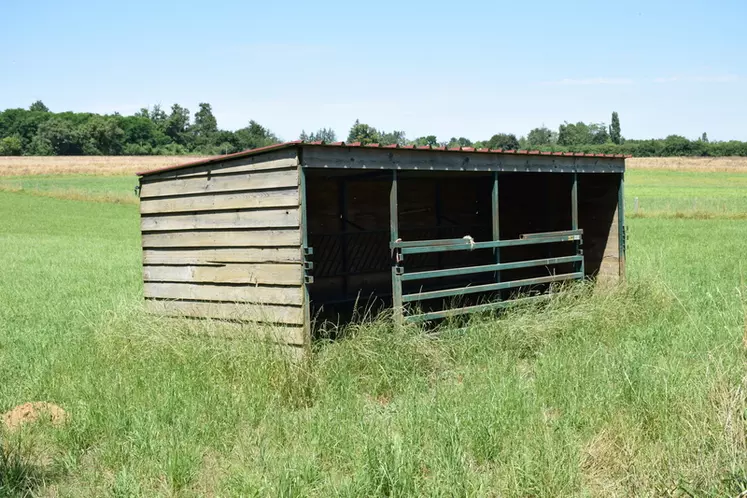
340, 155
381, 158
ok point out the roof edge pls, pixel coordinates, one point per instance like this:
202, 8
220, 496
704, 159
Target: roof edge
284, 145
218, 159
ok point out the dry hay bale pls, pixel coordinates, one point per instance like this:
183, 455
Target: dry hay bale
33, 411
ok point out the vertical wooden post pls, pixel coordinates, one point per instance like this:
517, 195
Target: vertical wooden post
621, 225
574, 220
439, 257
496, 222
396, 268
306, 253
342, 199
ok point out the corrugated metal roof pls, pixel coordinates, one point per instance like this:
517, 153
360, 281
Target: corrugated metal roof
259, 150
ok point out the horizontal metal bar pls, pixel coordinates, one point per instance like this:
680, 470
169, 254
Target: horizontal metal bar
418, 243
551, 234
423, 296
435, 315
466, 270
466, 246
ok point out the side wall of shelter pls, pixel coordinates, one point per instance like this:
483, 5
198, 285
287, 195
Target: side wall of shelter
599, 217
223, 241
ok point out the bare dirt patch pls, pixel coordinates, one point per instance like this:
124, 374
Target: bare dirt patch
32, 412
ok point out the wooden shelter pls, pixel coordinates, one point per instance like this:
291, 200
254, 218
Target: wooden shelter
290, 232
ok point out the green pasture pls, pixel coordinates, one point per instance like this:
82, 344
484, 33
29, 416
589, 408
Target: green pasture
637, 391
688, 193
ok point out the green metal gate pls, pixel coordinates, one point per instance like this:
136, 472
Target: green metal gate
403, 303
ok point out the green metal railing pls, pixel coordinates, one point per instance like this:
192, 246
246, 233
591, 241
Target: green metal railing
401, 249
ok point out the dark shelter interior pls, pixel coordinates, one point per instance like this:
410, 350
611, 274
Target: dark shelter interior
349, 227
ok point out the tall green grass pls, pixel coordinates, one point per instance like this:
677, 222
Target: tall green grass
700, 194
638, 390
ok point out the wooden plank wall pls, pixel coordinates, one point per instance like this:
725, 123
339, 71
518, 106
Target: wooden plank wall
598, 215
224, 241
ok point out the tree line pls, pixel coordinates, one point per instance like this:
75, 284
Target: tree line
154, 131
150, 131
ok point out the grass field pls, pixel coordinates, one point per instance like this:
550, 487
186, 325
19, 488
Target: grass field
639, 391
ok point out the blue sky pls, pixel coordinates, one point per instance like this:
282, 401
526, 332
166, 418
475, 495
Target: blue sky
450, 69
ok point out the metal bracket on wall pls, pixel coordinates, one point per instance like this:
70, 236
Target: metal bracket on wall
308, 266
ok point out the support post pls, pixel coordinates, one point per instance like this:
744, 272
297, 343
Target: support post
306, 253
621, 225
496, 223
439, 258
574, 222
396, 255
342, 191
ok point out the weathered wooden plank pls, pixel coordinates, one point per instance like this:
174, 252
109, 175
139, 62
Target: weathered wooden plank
213, 202
228, 311
224, 238
261, 218
238, 293
292, 335
281, 334
167, 256
268, 160
284, 178
272, 274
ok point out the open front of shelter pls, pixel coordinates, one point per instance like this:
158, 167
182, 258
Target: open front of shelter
298, 233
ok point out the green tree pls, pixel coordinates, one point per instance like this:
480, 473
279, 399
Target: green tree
38, 106
103, 136
393, 137
459, 142
11, 146
570, 134
253, 136
539, 137
326, 135
615, 134
177, 124
430, 140
704, 137
363, 133
579, 134
158, 116
675, 145
205, 122
598, 134
505, 141
58, 137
